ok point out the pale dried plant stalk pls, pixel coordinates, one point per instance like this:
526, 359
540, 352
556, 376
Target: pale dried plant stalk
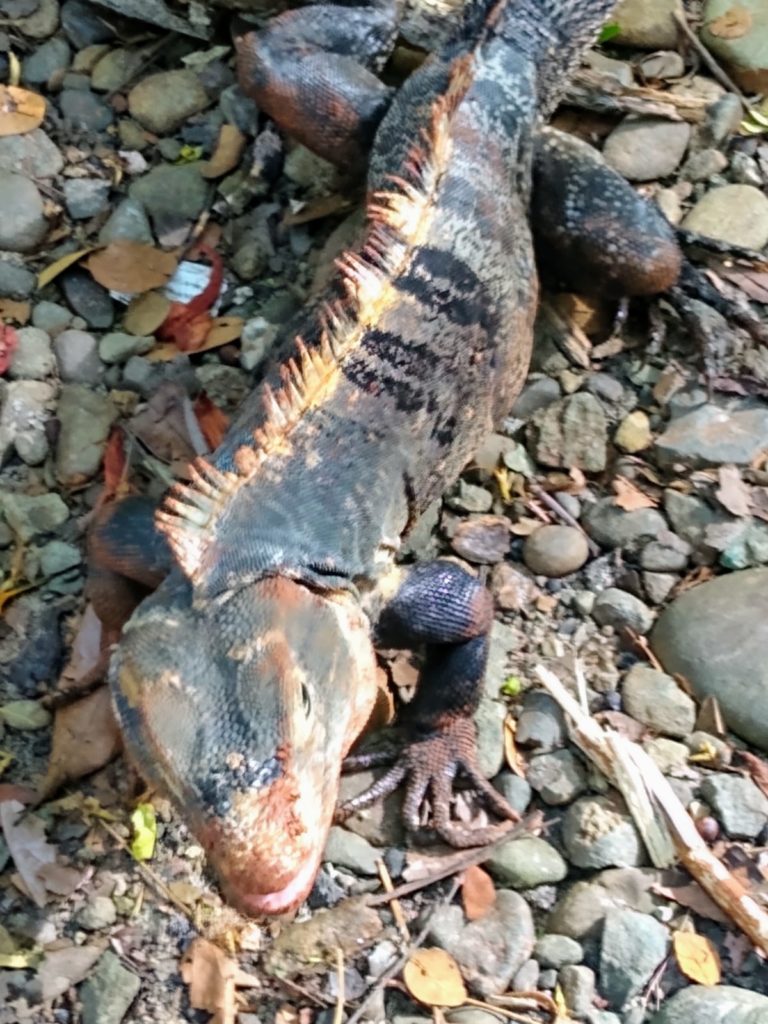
663, 822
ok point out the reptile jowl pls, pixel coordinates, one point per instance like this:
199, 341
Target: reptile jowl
243, 681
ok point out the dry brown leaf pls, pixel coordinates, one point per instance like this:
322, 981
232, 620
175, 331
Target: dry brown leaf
735, 23
14, 309
317, 209
753, 283
167, 425
145, 313
221, 331
62, 969
629, 496
739, 948
512, 756
696, 957
758, 769
213, 422
213, 979
21, 111
693, 897
27, 845
132, 267
478, 893
759, 502
62, 879
286, 1014
60, 265
733, 493
432, 976
226, 156
85, 738
623, 724
86, 649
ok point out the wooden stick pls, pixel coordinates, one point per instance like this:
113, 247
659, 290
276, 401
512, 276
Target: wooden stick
708, 59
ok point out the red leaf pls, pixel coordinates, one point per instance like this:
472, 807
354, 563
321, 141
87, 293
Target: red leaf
213, 422
188, 323
115, 465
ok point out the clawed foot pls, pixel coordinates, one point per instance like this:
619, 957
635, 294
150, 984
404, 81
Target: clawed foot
429, 766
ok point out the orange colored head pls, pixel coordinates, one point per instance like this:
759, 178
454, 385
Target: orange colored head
241, 711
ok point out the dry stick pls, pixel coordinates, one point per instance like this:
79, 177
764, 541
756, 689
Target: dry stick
476, 856
610, 751
708, 59
402, 960
338, 1013
397, 910
502, 1011
604, 94
554, 505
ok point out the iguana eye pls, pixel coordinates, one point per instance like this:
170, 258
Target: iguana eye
306, 703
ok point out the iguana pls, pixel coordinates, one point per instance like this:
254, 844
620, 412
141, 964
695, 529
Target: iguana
243, 681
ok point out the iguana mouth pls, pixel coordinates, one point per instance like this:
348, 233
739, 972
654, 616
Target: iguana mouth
282, 900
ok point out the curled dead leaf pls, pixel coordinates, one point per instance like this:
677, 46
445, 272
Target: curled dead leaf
21, 111
629, 496
85, 738
213, 979
432, 976
60, 265
226, 156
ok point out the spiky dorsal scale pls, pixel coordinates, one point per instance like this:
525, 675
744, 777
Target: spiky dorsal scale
398, 221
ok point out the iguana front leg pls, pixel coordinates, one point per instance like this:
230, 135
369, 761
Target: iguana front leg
128, 557
444, 607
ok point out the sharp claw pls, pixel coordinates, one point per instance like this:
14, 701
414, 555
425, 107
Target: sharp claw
490, 796
431, 764
381, 788
362, 762
414, 797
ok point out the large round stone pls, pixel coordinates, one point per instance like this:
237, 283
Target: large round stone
717, 637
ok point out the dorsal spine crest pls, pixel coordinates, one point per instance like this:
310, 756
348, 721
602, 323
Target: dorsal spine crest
398, 219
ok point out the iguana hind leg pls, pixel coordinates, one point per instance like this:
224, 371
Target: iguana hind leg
593, 232
441, 605
312, 71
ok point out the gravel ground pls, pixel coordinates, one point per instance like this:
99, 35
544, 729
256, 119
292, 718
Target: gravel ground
619, 517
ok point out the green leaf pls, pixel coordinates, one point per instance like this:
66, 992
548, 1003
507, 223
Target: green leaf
189, 154
25, 714
511, 686
608, 32
144, 825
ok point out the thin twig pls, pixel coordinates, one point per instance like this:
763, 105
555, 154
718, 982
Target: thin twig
148, 874
708, 59
554, 506
395, 905
500, 1011
398, 964
476, 856
338, 1013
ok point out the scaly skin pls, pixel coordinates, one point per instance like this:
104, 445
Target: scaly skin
242, 682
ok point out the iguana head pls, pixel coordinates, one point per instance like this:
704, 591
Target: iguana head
242, 710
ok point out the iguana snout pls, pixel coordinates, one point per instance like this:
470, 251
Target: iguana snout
260, 694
